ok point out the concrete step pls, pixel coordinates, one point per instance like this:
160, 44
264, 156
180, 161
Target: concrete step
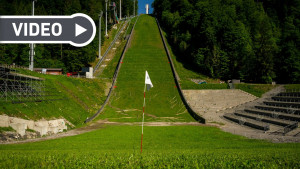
247, 122
265, 119
286, 99
273, 114
279, 109
289, 94
295, 133
282, 104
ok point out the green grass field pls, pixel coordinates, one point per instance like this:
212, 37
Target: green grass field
163, 102
77, 99
118, 146
292, 87
163, 147
255, 89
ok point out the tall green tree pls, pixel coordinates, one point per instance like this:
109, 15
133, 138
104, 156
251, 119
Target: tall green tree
255, 41
57, 55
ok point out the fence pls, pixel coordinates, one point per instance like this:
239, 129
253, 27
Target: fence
12, 66
20, 88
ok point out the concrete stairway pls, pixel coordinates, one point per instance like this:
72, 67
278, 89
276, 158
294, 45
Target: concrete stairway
247, 121
278, 109
278, 114
273, 114
210, 103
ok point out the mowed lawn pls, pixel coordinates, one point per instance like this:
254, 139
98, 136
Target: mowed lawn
75, 99
146, 52
118, 146
163, 147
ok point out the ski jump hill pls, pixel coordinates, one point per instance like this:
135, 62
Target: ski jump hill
146, 51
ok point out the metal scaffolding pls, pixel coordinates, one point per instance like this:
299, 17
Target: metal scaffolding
18, 88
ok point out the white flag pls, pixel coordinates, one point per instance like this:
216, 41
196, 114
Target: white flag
148, 81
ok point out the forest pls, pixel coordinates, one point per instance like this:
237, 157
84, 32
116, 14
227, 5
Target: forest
59, 55
257, 41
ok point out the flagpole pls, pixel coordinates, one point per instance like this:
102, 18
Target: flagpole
143, 118
147, 82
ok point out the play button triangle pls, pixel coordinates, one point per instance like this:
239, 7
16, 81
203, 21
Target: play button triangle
79, 30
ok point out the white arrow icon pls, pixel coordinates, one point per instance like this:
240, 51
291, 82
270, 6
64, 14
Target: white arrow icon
79, 30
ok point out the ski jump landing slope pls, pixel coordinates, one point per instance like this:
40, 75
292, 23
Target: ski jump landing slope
163, 102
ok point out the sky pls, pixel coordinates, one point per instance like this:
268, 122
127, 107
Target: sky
142, 4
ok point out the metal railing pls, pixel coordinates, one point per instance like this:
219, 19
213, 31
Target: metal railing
12, 66
189, 108
109, 48
114, 78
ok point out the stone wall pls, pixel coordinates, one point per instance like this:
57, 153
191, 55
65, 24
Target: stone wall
43, 126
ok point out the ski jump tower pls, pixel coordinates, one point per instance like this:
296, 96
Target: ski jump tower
113, 8
147, 8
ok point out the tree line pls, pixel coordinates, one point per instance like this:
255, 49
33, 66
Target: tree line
59, 55
251, 40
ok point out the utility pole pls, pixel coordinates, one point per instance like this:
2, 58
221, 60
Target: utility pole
31, 52
100, 15
120, 10
133, 7
106, 18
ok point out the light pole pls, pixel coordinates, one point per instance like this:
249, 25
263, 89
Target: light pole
31, 53
100, 15
106, 18
120, 10
133, 7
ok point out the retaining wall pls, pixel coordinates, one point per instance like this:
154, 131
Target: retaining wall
43, 126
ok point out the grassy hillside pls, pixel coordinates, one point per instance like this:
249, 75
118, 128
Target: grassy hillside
186, 73
292, 87
111, 35
75, 99
163, 147
146, 52
110, 69
256, 89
